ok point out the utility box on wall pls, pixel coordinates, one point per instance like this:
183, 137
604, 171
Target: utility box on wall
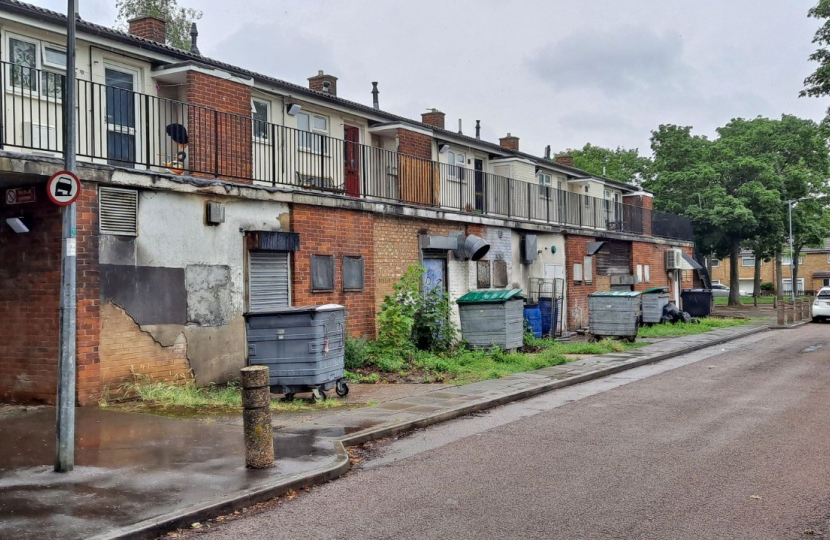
529, 248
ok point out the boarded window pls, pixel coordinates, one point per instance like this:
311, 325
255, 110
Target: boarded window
483, 274
647, 273
577, 273
353, 274
587, 270
500, 274
322, 273
639, 273
268, 280
118, 211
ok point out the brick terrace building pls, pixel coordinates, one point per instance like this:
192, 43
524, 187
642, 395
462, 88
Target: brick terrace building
211, 191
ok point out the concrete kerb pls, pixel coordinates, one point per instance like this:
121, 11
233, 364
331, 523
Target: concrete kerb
157, 526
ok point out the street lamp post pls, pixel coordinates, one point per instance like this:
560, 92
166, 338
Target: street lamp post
792, 249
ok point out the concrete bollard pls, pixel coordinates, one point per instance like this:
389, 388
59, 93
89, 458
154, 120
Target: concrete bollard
788, 312
781, 317
805, 308
256, 418
799, 310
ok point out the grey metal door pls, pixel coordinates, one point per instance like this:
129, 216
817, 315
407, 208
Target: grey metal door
268, 280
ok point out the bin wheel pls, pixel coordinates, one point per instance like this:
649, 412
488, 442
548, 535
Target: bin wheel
317, 395
289, 396
342, 388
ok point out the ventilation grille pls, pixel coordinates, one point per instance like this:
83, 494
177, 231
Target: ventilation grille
118, 211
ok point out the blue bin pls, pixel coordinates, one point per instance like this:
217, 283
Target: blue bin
533, 318
546, 307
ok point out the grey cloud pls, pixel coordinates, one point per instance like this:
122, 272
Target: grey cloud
276, 50
625, 59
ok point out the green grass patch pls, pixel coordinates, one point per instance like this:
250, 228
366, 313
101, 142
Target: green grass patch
685, 329
186, 398
581, 347
464, 366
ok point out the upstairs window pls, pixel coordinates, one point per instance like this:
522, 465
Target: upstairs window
27, 57
259, 114
456, 162
747, 261
313, 130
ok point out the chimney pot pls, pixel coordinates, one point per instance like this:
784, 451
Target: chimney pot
478, 129
194, 35
375, 92
318, 82
149, 27
547, 152
459, 127
510, 142
566, 160
434, 118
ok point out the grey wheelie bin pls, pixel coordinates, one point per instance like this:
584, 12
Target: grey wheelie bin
303, 347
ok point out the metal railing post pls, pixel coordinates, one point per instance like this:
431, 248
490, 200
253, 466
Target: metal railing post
216, 144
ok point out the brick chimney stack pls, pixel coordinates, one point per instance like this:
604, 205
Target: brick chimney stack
566, 160
434, 118
323, 83
149, 27
510, 143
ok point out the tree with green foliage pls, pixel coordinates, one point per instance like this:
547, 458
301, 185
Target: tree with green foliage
179, 19
623, 165
818, 84
734, 188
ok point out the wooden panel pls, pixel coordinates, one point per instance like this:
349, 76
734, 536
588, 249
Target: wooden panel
614, 258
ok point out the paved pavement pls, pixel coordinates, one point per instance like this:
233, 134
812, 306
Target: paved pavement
137, 473
731, 443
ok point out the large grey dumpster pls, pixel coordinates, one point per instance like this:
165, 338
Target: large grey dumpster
303, 347
654, 300
492, 318
614, 314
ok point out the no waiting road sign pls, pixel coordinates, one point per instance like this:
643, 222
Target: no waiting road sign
63, 188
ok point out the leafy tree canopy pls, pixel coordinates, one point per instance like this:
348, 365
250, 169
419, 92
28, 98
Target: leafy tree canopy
178, 18
818, 84
621, 164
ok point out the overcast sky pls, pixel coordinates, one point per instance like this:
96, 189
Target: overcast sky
561, 73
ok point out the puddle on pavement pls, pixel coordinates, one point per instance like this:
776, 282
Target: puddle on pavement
329, 432
813, 348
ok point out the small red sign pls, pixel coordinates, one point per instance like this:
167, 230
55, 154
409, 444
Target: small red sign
63, 188
20, 195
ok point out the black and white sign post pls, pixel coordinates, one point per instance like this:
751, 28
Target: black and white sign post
62, 192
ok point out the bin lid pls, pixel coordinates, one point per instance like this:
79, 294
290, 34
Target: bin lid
696, 291
656, 290
296, 309
628, 294
489, 297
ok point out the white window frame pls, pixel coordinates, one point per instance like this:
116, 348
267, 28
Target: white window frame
715, 282
715, 263
315, 131
544, 179
825, 282
787, 261
744, 259
455, 170
40, 65
254, 101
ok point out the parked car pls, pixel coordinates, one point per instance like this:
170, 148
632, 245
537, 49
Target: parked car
820, 310
720, 290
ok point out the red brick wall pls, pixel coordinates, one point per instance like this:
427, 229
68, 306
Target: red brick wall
231, 132
29, 301
324, 231
510, 143
576, 249
642, 253
415, 144
396, 247
89, 387
149, 28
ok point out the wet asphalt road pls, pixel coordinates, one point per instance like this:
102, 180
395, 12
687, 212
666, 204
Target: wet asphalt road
729, 443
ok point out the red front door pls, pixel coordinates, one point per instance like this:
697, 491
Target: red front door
351, 156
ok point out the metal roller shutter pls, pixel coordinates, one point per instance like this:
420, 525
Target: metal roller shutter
268, 280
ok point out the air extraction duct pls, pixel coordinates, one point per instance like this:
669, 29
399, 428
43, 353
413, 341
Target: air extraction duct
473, 247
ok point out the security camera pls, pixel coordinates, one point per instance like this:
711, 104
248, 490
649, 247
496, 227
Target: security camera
326, 86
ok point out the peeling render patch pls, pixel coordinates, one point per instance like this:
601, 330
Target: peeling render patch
126, 350
208, 294
150, 295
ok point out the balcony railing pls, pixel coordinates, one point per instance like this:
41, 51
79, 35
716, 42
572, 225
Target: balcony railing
124, 128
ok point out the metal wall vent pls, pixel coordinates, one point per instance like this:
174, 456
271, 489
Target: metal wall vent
118, 211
